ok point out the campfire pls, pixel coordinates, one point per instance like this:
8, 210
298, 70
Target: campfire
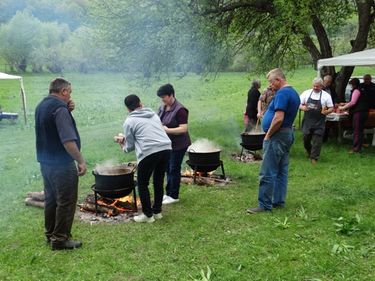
108, 206
189, 176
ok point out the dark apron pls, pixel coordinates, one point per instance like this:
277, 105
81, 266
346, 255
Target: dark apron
314, 121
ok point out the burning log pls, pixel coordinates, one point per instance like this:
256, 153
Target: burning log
90, 207
31, 202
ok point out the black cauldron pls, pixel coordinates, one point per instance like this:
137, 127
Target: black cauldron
252, 141
114, 182
204, 161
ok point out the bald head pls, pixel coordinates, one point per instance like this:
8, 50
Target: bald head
327, 80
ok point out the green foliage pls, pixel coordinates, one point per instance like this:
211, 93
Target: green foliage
301, 213
347, 227
18, 39
341, 248
26, 40
282, 224
157, 36
205, 276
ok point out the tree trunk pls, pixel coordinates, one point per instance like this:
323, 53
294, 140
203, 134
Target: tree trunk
366, 15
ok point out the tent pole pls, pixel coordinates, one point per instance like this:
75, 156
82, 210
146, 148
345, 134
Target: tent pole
23, 96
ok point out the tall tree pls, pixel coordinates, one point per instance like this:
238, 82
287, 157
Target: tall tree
158, 35
280, 30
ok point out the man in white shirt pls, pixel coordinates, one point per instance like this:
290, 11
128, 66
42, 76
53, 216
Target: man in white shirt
316, 104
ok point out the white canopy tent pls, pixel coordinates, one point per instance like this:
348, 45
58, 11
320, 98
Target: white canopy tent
366, 57
4, 76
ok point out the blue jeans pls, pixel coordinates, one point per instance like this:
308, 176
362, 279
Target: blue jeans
174, 173
273, 174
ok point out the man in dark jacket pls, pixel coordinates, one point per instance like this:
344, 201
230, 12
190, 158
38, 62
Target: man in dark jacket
368, 89
57, 147
252, 105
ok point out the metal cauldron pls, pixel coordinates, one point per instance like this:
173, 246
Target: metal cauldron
114, 182
252, 141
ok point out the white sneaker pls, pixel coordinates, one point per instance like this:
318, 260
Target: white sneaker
170, 200
143, 218
165, 197
158, 216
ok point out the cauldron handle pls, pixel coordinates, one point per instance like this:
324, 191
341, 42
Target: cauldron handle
134, 167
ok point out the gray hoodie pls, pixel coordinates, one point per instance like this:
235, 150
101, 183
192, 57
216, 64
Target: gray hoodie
144, 132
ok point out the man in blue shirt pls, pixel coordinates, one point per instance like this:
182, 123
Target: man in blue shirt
277, 123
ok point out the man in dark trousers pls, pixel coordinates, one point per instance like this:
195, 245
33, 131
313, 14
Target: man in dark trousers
58, 147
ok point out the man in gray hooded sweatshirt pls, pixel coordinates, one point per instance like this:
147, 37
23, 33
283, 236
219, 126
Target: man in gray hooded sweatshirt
144, 133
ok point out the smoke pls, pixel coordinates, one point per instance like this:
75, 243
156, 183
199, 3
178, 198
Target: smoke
256, 130
203, 145
103, 168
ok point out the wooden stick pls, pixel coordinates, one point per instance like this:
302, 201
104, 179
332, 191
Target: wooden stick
256, 126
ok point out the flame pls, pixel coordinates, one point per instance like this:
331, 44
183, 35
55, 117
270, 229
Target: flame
119, 204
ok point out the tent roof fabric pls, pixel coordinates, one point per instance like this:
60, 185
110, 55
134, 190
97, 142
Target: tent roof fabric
366, 57
8, 76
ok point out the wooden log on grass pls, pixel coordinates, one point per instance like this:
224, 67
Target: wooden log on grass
31, 202
36, 196
90, 207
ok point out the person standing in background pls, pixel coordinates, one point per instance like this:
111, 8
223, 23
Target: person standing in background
368, 89
58, 146
328, 87
252, 105
264, 101
358, 109
278, 125
174, 117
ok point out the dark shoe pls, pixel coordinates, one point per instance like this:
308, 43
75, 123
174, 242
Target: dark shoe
66, 245
277, 206
257, 210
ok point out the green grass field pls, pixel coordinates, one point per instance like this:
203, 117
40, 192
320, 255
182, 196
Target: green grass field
209, 227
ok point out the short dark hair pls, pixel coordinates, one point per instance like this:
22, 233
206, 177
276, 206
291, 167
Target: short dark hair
354, 82
132, 102
58, 84
165, 90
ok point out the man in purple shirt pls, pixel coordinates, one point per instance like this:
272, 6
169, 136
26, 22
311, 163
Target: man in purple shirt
277, 123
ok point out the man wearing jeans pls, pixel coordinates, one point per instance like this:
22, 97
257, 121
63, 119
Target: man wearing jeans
277, 123
58, 146
144, 133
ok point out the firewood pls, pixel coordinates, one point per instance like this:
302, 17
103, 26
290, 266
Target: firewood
112, 211
31, 202
198, 181
37, 196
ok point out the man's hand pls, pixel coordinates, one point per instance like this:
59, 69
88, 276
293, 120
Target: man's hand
303, 107
71, 105
259, 115
82, 169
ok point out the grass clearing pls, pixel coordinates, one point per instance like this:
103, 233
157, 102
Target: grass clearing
209, 227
